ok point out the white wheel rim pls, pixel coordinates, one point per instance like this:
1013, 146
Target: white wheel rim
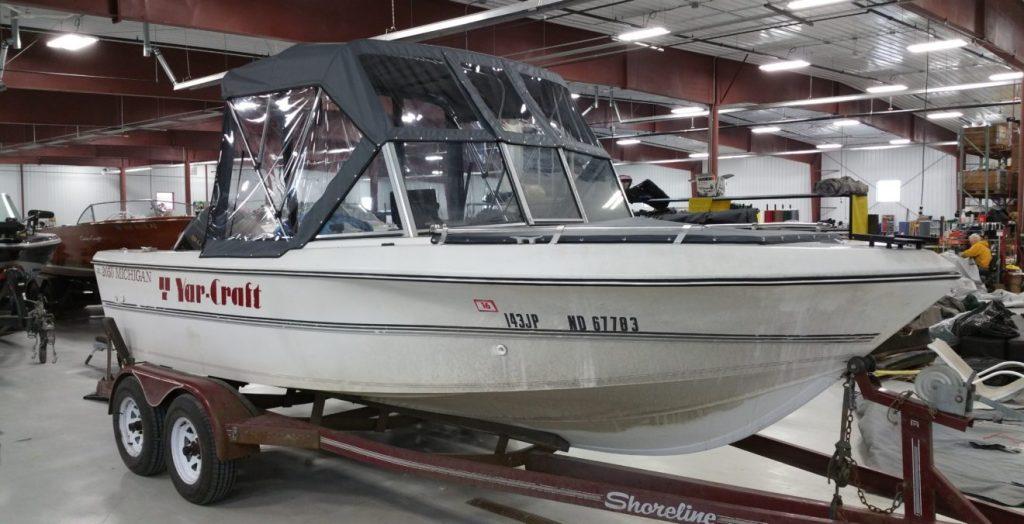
129, 422
185, 450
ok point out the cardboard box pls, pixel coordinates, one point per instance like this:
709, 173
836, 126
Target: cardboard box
1000, 139
1000, 181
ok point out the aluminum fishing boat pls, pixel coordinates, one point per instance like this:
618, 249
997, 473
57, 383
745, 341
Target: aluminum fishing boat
439, 229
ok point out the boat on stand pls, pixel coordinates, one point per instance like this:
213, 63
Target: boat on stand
23, 253
438, 229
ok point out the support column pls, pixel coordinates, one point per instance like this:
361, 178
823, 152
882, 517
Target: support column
123, 183
713, 123
1019, 166
188, 184
713, 143
21, 185
815, 178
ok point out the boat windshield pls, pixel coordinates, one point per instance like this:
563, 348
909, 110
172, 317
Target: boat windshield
7, 208
131, 209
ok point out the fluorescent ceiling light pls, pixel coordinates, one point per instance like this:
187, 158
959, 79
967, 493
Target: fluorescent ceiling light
574, 95
785, 65
433, 158
886, 88
944, 115
964, 87
829, 146
698, 155
689, 111
71, 42
628, 141
806, 4
846, 123
936, 45
1012, 75
876, 148
642, 34
765, 129
899, 141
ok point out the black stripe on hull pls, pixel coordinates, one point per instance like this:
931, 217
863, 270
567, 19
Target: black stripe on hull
611, 282
406, 329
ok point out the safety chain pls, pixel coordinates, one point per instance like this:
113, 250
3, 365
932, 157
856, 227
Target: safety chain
842, 467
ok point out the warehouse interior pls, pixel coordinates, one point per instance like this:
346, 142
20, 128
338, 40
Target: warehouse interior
512, 260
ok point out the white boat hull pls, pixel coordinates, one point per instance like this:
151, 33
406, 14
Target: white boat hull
617, 355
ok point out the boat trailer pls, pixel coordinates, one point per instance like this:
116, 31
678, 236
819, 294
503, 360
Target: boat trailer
210, 424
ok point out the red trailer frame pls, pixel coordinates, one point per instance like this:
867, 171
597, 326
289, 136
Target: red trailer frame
241, 423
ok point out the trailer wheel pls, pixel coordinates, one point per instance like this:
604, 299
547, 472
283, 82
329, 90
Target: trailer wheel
198, 475
138, 429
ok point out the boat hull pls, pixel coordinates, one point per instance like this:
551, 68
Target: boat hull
649, 365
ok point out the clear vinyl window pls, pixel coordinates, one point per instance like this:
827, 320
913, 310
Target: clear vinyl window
419, 92
368, 207
597, 187
457, 184
287, 147
556, 103
545, 186
501, 97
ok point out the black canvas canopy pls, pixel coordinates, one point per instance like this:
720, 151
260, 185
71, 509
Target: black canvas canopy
334, 106
341, 70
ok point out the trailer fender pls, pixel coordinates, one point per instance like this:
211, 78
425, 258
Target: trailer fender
223, 404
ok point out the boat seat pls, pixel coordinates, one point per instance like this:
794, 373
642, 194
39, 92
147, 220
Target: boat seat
425, 207
964, 370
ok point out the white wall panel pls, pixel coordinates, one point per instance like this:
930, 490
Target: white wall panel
67, 190
769, 176
144, 185
904, 164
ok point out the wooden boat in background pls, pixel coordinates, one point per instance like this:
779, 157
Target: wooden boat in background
68, 279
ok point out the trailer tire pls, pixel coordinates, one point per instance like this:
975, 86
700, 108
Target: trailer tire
198, 475
138, 429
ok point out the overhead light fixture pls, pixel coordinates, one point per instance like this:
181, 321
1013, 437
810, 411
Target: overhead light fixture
437, 172
886, 88
899, 141
1012, 75
433, 158
944, 115
574, 96
698, 155
689, 111
784, 65
628, 141
642, 34
829, 146
72, 42
846, 123
807, 4
936, 45
765, 129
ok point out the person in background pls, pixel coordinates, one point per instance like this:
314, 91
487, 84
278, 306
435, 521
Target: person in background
979, 252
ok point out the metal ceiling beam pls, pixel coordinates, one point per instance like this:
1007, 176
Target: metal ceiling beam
477, 20
20, 106
996, 25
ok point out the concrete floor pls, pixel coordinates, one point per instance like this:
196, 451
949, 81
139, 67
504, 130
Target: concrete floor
58, 463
